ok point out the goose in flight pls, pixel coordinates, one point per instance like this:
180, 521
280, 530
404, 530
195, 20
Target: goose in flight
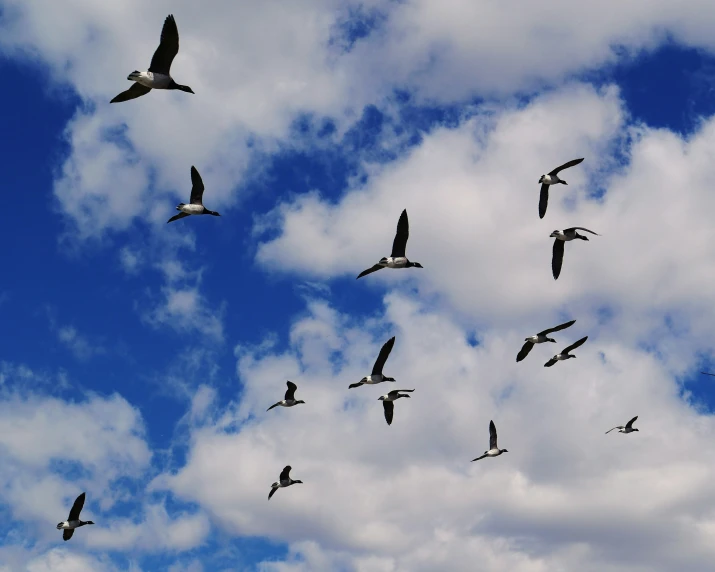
494, 450
398, 258
73, 520
196, 202
628, 428
552, 179
290, 399
388, 402
283, 481
557, 257
376, 376
540, 338
158, 76
565, 353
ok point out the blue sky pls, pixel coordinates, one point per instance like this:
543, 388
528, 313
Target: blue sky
169, 342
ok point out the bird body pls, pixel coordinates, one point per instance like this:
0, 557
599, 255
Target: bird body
73, 521
289, 400
398, 258
627, 428
388, 402
284, 480
377, 376
158, 76
552, 178
494, 450
557, 256
565, 352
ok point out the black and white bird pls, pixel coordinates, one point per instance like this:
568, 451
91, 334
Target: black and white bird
628, 428
73, 520
552, 179
388, 402
540, 338
398, 258
196, 202
283, 481
706, 373
494, 450
158, 76
290, 399
376, 376
557, 257
565, 352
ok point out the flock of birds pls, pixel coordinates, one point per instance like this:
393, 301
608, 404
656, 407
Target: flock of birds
158, 77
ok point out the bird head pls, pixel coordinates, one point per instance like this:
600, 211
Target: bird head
215, 213
550, 340
388, 379
583, 237
299, 401
89, 522
634, 429
417, 265
504, 451
296, 482
563, 182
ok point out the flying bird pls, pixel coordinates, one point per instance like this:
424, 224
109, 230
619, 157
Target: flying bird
158, 76
706, 373
552, 179
283, 481
196, 204
565, 353
398, 257
73, 520
289, 400
494, 450
388, 402
376, 376
627, 429
540, 338
557, 258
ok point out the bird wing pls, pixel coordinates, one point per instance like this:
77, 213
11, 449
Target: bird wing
557, 257
580, 228
273, 490
285, 474
382, 357
543, 200
630, 423
177, 217
369, 270
274, 405
358, 384
290, 393
574, 345
168, 47
557, 328
551, 362
566, 166
67, 533
76, 508
197, 187
389, 407
618, 427
136, 90
478, 458
524, 351
399, 245
492, 435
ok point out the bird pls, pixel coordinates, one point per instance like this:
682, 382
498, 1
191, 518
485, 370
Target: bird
73, 520
387, 402
706, 373
552, 179
565, 353
540, 338
376, 376
289, 400
398, 258
196, 205
627, 429
557, 257
158, 76
494, 450
283, 481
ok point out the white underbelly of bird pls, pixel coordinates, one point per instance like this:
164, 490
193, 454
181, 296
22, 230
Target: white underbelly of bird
397, 262
150, 79
191, 209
